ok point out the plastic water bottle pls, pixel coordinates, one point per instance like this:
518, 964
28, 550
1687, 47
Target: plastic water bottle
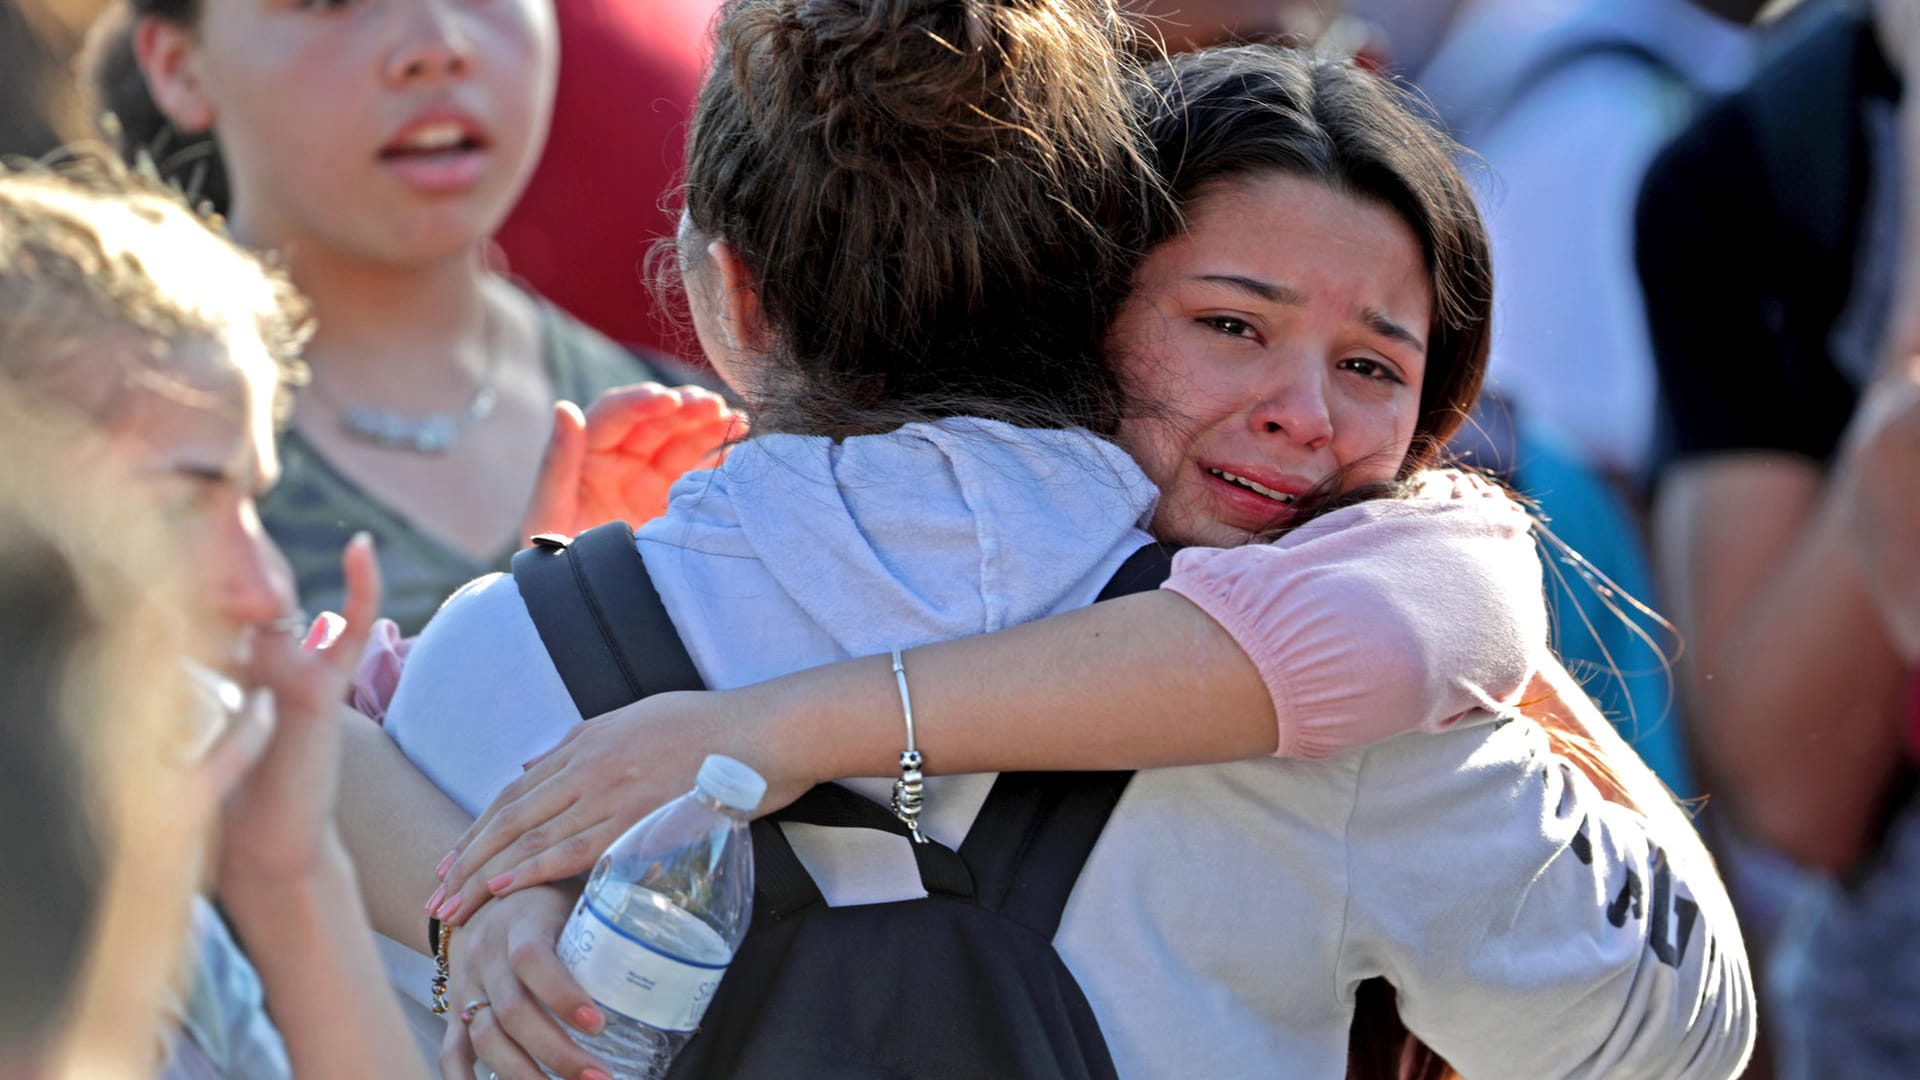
661, 917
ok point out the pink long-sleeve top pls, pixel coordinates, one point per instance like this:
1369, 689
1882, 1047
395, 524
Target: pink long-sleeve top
1384, 617
1377, 619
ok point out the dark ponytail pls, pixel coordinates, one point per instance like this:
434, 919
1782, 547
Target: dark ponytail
130, 119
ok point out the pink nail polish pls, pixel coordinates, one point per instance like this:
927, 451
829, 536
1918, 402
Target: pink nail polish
588, 1019
594, 1074
445, 865
434, 900
448, 909
495, 885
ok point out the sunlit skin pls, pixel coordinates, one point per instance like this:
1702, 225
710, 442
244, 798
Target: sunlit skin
356, 79
199, 438
1281, 339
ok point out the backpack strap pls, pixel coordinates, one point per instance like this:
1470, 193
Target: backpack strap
784, 887
1037, 830
601, 619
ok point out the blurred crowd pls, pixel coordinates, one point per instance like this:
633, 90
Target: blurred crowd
1705, 223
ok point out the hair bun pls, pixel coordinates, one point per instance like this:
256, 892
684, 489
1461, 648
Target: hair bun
900, 80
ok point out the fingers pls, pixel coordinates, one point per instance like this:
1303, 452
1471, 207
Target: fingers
547, 978
515, 1029
617, 412
556, 491
492, 1044
456, 1053
562, 841
641, 433
360, 565
533, 774
564, 847
574, 855
531, 815
692, 447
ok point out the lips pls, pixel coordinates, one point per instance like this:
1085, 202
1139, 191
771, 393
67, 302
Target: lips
439, 152
1251, 498
1254, 486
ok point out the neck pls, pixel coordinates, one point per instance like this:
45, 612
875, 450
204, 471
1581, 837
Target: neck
387, 326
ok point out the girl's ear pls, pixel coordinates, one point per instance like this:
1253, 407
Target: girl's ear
167, 57
740, 316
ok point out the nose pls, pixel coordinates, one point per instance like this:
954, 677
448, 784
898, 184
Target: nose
253, 584
1295, 410
433, 46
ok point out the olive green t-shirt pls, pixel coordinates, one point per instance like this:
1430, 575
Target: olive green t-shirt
313, 511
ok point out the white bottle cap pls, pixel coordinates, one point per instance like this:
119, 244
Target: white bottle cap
733, 783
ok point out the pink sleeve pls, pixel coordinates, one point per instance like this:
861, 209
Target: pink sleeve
1382, 618
378, 675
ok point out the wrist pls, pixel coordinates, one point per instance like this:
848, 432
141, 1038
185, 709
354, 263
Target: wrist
783, 735
330, 876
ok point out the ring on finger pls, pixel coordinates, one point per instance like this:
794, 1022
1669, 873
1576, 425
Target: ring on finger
473, 1009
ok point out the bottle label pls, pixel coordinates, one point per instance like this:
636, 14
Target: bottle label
641, 981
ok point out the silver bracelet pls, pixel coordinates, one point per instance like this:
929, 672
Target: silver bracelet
907, 791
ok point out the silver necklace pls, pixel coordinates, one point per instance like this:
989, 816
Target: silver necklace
431, 433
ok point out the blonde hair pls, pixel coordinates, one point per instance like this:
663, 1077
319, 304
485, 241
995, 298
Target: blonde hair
99, 263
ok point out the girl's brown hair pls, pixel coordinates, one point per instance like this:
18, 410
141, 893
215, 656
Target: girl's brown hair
940, 201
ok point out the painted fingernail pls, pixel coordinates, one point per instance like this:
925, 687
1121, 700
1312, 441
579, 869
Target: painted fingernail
588, 1019
445, 865
594, 1074
434, 900
495, 885
448, 909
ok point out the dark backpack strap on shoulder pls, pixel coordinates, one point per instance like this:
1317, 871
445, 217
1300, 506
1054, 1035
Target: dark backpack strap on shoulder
602, 620
1037, 830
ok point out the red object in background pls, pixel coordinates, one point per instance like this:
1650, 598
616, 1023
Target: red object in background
629, 71
1913, 717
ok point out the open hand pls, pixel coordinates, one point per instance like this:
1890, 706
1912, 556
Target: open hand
617, 461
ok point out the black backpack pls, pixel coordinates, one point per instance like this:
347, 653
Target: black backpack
963, 984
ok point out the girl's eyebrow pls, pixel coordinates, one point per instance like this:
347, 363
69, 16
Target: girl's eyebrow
1272, 292
1265, 290
1378, 322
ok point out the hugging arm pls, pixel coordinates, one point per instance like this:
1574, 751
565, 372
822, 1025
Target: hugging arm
1339, 636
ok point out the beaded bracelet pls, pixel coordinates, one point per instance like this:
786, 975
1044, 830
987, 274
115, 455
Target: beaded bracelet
907, 791
439, 936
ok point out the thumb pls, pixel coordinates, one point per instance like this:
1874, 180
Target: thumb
556, 494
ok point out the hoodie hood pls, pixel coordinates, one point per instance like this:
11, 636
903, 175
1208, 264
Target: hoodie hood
932, 531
